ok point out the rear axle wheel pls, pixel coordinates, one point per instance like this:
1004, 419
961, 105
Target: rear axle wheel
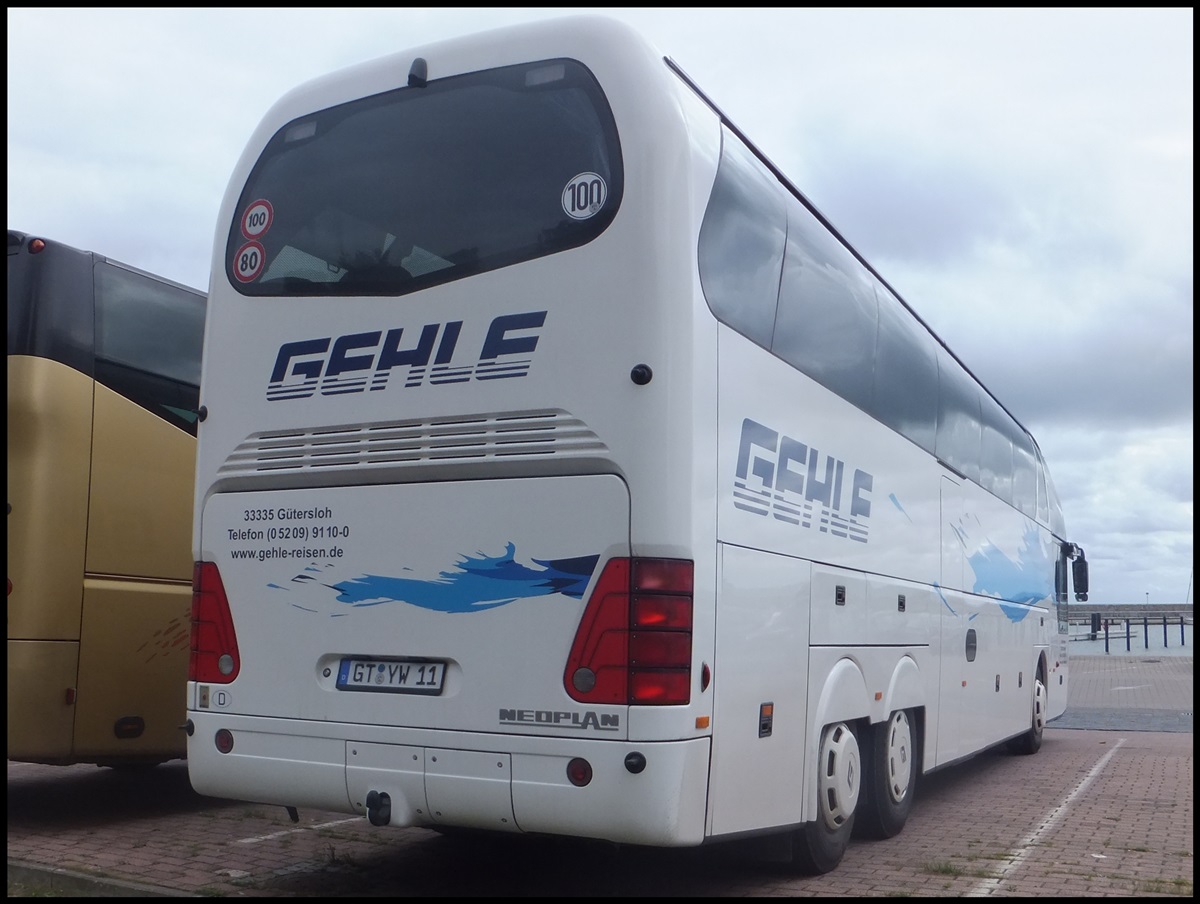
891, 776
818, 846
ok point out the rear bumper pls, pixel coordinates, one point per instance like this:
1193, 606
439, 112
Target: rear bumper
511, 783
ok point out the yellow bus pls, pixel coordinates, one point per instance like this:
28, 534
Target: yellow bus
103, 376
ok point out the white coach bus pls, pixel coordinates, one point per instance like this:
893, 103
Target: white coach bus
562, 470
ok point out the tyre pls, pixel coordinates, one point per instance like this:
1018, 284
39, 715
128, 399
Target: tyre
1031, 741
889, 777
818, 846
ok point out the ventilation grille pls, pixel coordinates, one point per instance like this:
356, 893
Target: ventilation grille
524, 435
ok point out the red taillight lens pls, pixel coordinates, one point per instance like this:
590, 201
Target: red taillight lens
660, 648
659, 686
214, 656
598, 665
634, 642
663, 575
661, 611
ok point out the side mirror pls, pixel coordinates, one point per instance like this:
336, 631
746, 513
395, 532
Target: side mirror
1079, 577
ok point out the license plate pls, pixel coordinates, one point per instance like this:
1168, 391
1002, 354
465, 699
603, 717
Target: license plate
392, 676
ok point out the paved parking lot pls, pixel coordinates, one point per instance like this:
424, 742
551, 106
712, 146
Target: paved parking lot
1105, 809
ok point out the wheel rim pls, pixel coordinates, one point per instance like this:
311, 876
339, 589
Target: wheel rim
1039, 705
840, 775
899, 755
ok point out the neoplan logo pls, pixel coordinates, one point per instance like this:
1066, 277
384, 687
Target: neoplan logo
577, 721
360, 362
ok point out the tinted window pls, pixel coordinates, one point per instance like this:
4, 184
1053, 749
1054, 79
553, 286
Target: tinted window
905, 394
959, 438
741, 243
149, 338
827, 320
1043, 500
50, 302
773, 271
420, 186
996, 460
1056, 517
1025, 490
1054, 506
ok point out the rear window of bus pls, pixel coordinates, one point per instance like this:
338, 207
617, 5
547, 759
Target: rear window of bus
424, 185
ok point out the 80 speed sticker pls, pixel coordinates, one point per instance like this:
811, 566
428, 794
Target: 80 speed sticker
248, 262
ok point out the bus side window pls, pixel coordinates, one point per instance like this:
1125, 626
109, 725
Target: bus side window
905, 392
149, 336
959, 439
1025, 493
741, 243
996, 462
828, 318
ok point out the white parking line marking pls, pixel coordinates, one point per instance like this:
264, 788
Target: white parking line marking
324, 825
1028, 844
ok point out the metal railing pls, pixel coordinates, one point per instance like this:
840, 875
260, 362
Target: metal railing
1122, 632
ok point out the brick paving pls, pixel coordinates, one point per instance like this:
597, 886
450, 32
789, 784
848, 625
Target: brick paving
1104, 810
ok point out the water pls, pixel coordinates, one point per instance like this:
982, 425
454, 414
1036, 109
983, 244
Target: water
1138, 645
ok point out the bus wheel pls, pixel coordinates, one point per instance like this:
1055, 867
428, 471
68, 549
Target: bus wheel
890, 778
1031, 741
818, 846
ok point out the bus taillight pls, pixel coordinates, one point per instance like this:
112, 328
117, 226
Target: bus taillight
634, 642
214, 656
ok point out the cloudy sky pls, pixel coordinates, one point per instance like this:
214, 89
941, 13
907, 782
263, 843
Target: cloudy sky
1022, 178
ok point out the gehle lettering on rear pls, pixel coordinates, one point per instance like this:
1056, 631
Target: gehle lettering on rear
359, 362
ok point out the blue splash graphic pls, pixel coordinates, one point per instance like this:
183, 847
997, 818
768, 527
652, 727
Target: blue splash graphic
478, 583
896, 502
1027, 581
945, 602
